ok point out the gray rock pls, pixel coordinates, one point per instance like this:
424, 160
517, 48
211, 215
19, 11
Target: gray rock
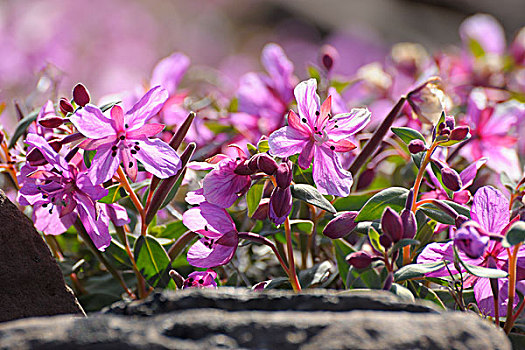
232, 299
259, 320
32, 283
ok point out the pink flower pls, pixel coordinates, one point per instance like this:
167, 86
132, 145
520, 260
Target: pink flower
490, 210
317, 135
201, 279
126, 138
220, 237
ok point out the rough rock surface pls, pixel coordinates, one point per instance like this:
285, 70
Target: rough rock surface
30, 279
262, 320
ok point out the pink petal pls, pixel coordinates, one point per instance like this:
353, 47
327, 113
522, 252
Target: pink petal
91, 123
200, 255
328, 174
103, 165
158, 158
47, 151
341, 145
169, 72
486, 31
117, 118
490, 209
129, 163
307, 100
221, 186
348, 124
469, 173
208, 217
97, 228
287, 141
280, 69
326, 107
295, 122
306, 156
148, 130
148, 106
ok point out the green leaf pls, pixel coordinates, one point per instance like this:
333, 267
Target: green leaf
515, 235
153, 262
313, 72
339, 86
417, 270
173, 230
437, 214
353, 202
407, 134
425, 232
425, 293
305, 226
315, 275
218, 128
21, 128
342, 249
252, 149
263, 146
402, 292
454, 142
116, 253
116, 192
109, 105
393, 197
254, 196
88, 157
373, 237
418, 158
507, 181
311, 195
403, 243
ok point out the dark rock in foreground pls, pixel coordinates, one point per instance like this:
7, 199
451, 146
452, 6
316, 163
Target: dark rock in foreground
30, 279
267, 320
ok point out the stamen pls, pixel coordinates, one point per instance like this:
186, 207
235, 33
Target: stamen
303, 120
130, 165
122, 137
317, 113
332, 148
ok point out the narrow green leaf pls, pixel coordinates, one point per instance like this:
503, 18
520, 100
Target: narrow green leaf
263, 146
21, 128
153, 262
173, 230
425, 293
407, 134
479, 270
402, 292
254, 196
311, 195
373, 236
417, 270
342, 249
393, 197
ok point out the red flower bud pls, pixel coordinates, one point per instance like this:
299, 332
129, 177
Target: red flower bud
280, 204
65, 106
266, 164
283, 175
365, 179
81, 95
341, 225
35, 157
450, 122
409, 223
385, 241
51, 122
459, 133
359, 260
391, 225
244, 169
416, 146
451, 179
261, 213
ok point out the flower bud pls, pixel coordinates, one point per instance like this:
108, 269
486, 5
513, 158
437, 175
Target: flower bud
459, 133
469, 241
416, 146
65, 106
81, 95
365, 179
261, 213
385, 241
252, 162
341, 225
329, 56
427, 102
450, 122
266, 164
388, 281
391, 225
359, 260
445, 132
283, 175
460, 220
280, 204
243, 169
177, 278
409, 223
51, 122
451, 179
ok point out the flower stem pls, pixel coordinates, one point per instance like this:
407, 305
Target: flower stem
263, 240
85, 237
513, 258
291, 268
141, 283
136, 201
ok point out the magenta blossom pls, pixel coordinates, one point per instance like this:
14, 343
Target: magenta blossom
490, 210
222, 186
220, 237
201, 279
126, 138
316, 134
60, 192
491, 126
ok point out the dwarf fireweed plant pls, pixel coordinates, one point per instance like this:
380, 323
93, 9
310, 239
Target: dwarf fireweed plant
405, 177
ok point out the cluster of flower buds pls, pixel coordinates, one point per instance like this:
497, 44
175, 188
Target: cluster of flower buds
279, 205
396, 227
471, 240
447, 130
